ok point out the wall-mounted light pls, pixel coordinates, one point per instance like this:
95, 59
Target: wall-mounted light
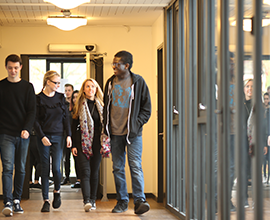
67, 4
247, 23
67, 23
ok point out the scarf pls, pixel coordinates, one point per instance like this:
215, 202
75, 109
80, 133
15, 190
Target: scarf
250, 132
87, 126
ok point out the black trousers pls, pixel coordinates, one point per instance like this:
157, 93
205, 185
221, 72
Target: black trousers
34, 158
89, 170
66, 159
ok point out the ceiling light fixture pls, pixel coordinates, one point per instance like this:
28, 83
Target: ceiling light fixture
67, 4
247, 23
66, 22
266, 2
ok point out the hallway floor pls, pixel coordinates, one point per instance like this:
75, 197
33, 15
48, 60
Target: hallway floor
72, 208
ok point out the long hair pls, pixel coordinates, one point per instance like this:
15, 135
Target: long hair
48, 76
71, 106
81, 97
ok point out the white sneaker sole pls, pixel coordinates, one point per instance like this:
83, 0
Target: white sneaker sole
87, 207
7, 212
93, 208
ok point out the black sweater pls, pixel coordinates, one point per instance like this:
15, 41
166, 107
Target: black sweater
17, 107
52, 116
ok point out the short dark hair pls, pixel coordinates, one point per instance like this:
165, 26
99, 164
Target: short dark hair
126, 57
66, 85
13, 58
266, 94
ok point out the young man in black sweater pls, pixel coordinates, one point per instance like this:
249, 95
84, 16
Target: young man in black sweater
17, 115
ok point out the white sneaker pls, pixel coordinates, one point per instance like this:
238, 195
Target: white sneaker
87, 206
7, 211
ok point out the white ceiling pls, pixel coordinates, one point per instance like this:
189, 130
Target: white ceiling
98, 12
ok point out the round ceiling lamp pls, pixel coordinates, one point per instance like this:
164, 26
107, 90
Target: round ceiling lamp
67, 4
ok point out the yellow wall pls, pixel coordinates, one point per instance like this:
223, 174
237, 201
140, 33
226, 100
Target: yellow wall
158, 33
141, 41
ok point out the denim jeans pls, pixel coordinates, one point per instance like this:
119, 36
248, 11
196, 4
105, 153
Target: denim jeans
134, 154
55, 150
13, 151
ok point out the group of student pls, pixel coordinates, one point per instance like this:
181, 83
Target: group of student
98, 126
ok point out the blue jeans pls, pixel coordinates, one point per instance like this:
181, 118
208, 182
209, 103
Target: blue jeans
55, 150
134, 153
13, 150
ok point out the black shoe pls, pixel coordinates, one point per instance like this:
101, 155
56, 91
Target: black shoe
51, 182
31, 185
141, 207
121, 206
37, 186
17, 207
93, 203
246, 204
76, 185
65, 181
46, 207
233, 209
56, 200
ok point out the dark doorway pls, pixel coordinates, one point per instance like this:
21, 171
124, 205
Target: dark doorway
160, 126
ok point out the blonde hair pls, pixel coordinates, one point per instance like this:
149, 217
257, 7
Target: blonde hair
48, 76
247, 80
81, 96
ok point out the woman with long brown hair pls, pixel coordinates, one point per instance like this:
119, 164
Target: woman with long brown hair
86, 132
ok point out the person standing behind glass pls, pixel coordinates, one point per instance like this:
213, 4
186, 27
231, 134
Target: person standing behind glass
67, 151
266, 158
77, 184
248, 89
52, 119
86, 131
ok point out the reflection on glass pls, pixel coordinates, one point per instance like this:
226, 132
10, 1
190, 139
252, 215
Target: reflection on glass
75, 73
37, 69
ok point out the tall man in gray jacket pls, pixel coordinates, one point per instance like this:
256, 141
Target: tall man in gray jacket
127, 107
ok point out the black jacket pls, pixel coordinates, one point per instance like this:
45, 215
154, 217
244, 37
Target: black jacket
139, 106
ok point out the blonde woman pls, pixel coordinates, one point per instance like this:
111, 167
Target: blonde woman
51, 121
86, 131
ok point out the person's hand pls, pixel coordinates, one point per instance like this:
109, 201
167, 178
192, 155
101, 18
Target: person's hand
74, 151
69, 142
24, 134
265, 150
46, 141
